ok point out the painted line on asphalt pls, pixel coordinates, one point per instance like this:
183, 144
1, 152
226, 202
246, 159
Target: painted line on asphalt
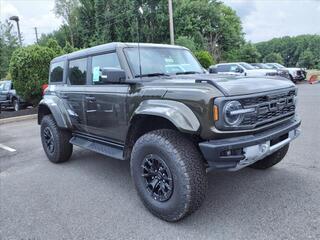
7, 148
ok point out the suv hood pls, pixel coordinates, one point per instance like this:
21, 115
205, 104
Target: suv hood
235, 85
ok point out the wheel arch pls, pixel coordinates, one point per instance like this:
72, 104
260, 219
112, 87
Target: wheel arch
47, 106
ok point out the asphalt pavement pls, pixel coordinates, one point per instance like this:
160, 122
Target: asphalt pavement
92, 196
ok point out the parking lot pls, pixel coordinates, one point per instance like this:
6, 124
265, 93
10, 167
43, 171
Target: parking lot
92, 197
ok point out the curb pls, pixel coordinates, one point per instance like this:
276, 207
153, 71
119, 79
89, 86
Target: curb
18, 119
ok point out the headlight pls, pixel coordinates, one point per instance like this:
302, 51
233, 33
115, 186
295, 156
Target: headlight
232, 113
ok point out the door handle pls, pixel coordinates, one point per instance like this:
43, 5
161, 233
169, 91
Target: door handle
64, 96
90, 99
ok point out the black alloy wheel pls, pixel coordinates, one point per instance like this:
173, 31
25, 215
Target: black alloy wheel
158, 178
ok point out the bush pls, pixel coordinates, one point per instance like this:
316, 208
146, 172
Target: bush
205, 59
29, 69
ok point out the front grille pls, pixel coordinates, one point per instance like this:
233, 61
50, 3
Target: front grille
268, 108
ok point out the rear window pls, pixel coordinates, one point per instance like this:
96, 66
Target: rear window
56, 72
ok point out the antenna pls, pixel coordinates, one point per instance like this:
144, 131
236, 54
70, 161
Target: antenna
140, 68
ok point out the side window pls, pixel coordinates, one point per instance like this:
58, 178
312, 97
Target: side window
223, 68
109, 60
2, 86
234, 68
78, 72
56, 72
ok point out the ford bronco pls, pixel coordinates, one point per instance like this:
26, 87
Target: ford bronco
156, 107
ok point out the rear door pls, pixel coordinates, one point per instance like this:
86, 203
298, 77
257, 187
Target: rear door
105, 103
73, 94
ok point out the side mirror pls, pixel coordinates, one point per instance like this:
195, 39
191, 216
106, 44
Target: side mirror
213, 70
239, 70
112, 75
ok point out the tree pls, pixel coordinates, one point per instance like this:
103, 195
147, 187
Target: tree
273, 57
248, 53
8, 43
68, 48
67, 9
29, 68
187, 42
204, 58
307, 60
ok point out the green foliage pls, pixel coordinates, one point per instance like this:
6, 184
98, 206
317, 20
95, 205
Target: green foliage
29, 68
204, 58
187, 42
8, 43
53, 44
290, 48
306, 59
248, 53
273, 58
68, 48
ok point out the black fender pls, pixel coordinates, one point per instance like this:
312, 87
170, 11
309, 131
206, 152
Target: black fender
180, 115
54, 105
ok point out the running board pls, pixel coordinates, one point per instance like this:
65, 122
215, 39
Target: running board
105, 148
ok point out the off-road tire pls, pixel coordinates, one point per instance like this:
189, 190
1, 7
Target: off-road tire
272, 159
62, 148
16, 105
188, 172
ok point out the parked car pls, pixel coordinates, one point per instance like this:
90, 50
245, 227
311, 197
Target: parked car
9, 97
281, 72
241, 69
169, 119
296, 74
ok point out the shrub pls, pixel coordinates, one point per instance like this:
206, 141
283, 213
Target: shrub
205, 59
29, 69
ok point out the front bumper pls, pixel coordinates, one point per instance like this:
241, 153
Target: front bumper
238, 152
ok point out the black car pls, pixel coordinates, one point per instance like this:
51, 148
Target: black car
9, 97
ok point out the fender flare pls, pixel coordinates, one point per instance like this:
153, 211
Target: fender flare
57, 110
177, 113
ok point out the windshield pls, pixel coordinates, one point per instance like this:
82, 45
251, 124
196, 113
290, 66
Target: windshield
279, 65
162, 61
247, 66
265, 66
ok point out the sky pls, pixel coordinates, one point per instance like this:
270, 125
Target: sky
262, 19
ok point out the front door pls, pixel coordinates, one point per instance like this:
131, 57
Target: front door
105, 103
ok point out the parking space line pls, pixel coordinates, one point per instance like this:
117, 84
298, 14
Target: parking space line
7, 148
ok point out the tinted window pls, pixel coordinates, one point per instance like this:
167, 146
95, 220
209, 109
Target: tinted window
223, 68
109, 60
56, 72
78, 72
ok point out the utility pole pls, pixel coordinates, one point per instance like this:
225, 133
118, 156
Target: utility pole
171, 22
36, 32
16, 19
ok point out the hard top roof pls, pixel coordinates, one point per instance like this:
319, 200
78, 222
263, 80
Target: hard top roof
109, 47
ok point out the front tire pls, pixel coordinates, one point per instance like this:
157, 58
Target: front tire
272, 159
169, 174
55, 141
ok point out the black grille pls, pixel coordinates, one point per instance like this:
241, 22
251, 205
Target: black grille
268, 108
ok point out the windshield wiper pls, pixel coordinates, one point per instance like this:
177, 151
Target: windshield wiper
187, 72
152, 75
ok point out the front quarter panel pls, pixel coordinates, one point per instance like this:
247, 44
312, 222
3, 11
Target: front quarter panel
176, 112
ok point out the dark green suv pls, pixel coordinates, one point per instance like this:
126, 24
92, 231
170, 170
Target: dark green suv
156, 107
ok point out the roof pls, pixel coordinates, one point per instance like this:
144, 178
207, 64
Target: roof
109, 47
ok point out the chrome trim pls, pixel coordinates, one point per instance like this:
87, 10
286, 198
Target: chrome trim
260, 151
